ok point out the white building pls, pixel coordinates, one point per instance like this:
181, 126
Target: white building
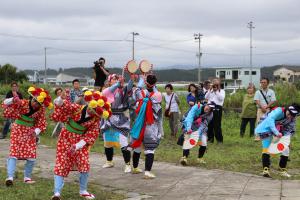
64, 78
51, 79
238, 77
287, 74
33, 78
91, 82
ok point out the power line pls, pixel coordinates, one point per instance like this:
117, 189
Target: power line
214, 53
33, 52
150, 46
162, 40
60, 39
278, 52
162, 47
88, 52
40, 52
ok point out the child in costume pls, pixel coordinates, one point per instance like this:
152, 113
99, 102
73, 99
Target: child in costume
279, 122
116, 128
79, 134
30, 121
147, 128
197, 119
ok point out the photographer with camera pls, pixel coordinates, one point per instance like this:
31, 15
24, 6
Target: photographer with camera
217, 95
100, 73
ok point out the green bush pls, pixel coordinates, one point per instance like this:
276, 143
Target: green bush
234, 100
23, 87
286, 94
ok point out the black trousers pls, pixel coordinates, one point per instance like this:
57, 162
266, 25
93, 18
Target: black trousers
244, 125
215, 126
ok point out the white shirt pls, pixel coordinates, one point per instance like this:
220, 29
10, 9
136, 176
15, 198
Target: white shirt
174, 106
269, 94
216, 97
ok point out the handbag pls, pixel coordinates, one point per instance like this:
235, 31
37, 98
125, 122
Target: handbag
167, 111
180, 139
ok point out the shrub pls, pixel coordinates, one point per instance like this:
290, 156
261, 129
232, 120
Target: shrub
286, 94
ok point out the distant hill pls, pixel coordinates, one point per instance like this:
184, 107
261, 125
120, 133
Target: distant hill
165, 75
190, 75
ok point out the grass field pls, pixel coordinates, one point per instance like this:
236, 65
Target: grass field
42, 190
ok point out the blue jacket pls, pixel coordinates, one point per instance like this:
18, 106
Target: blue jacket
194, 113
268, 125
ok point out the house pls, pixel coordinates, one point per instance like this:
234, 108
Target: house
91, 82
51, 79
238, 77
63, 78
33, 77
287, 74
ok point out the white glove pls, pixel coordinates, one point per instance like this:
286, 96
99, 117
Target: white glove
58, 101
37, 131
8, 101
79, 145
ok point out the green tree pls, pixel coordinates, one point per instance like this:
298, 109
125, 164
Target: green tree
9, 73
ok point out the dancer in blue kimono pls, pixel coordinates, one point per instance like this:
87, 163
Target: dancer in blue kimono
279, 122
197, 119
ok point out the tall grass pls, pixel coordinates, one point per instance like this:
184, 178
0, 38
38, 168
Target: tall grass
286, 94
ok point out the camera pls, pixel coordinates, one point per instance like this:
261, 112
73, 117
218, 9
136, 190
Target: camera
99, 63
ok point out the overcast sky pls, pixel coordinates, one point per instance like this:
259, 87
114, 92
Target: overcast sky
165, 27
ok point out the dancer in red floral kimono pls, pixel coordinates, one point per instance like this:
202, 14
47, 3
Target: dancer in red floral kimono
29, 122
79, 134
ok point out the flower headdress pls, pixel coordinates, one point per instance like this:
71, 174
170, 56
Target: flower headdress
98, 104
41, 96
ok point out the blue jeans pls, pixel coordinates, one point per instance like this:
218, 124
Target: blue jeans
59, 182
11, 167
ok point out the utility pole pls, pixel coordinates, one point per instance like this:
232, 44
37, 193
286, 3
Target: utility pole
198, 37
133, 35
250, 26
45, 73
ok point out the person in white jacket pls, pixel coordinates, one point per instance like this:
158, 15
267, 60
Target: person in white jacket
217, 95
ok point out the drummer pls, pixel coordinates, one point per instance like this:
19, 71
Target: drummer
281, 121
116, 128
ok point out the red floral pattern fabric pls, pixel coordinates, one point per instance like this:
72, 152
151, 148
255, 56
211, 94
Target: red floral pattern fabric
65, 161
22, 139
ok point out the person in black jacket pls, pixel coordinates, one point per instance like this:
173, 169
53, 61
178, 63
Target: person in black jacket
100, 74
14, 92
